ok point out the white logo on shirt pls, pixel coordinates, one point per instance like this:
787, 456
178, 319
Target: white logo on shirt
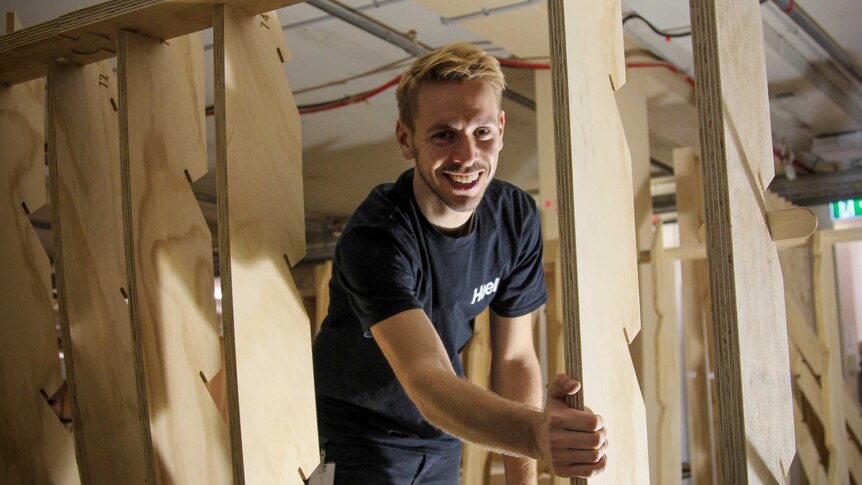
484, 290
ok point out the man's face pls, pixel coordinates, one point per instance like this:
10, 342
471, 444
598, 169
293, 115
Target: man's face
456, 139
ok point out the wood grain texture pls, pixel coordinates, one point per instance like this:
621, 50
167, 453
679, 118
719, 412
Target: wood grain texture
755, 415
695, 315
598, 247
809, 457
667, 363
322, 276
791, 223
90, 34
168, 253
261, 231
475, 460
112, 435
36, 448
831, 380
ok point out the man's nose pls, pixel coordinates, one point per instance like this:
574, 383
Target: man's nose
465, 150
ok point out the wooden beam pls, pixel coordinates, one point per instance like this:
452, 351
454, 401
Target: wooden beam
90, 34
804, 338
169, 252
809, 457
261, 233
600, 314
475, 460
695, 314
853, 413
36, 447
755, 415
105, 377
832, 381
667, 363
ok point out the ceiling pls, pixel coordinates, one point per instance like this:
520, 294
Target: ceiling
349, 150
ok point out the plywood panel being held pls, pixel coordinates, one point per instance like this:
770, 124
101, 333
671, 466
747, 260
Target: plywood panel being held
597, 227
112, 432
169, 253
261, 232
755, 411
36, 448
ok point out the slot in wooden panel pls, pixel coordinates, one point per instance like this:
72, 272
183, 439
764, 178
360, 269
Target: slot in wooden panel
112, 432
169, 253
755, 410
597, 227
36, 448
261, 231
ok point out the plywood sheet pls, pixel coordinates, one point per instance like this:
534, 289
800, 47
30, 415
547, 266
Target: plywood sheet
475, 460
597, 227
112, 436
667, 363
261, 232
756, 440
169, 251
695, 312
90, 34
35, 445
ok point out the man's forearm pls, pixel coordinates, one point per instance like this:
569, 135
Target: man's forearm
519, 381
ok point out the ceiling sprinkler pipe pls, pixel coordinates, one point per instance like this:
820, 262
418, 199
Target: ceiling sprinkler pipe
487, 12
823, 39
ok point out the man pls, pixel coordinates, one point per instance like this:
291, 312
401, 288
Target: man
418, 261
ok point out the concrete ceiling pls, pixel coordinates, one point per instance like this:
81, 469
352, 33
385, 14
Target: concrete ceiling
349, 150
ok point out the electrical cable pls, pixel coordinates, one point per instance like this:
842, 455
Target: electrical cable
676, 35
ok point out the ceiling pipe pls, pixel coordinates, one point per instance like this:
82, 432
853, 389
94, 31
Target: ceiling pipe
392, 36
820, 36
487, 12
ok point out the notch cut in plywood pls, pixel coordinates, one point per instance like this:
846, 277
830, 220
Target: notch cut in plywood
36, 446
108, 398
755, 415
169, 253
601, 315
261, 231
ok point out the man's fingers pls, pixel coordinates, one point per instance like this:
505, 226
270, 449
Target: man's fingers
583, 471
563, 386
569, 457
575, 420
578, 440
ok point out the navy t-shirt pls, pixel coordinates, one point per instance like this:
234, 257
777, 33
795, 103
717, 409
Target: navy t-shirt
390, 259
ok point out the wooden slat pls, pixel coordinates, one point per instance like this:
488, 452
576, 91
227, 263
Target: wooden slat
832, 382
755, 418
169, 252
475, 460
601, 314
108, 396
261, 231
809, 457
90, 34
791, 223
810, 389
853, 414
322, 275
854, 459
804, 337
837, 236
35, 446
667, 357
695, 288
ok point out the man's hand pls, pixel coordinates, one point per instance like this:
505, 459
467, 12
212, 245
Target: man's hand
572, 442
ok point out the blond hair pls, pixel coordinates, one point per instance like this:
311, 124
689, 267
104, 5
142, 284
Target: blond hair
455, 62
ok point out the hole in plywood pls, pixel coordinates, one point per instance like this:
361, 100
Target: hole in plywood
280, 55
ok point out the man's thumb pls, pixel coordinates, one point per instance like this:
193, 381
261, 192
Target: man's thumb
563, 386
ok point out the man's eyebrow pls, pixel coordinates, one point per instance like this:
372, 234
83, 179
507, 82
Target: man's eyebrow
447, 126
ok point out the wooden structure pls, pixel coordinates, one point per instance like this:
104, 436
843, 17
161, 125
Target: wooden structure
134, 267
594, 171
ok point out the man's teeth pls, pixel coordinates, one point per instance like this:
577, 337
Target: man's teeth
464, 179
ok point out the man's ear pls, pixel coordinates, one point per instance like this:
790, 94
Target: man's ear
502, 126
405, 140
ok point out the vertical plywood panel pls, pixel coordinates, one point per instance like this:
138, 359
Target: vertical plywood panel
695, 308
668, 448
110, 418
261, 231
36, 448
756, 440
831, 380
475, 460
169, 251
597, 227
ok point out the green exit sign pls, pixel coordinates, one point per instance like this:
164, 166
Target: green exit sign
846, 209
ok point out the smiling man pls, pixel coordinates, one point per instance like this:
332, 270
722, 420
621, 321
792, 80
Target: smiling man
418, 261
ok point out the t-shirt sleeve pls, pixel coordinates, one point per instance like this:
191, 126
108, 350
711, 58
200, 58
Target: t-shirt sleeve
523, 289
376, 275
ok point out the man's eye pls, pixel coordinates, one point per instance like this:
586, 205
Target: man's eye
484, 132
443, 135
